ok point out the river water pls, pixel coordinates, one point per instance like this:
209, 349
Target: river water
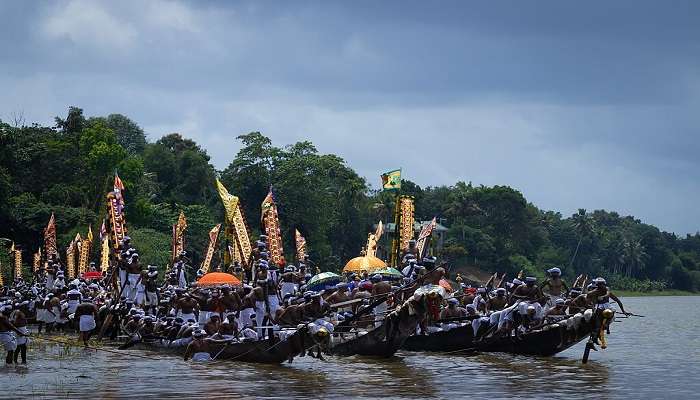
647, 358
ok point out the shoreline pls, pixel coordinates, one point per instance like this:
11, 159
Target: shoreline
670, 292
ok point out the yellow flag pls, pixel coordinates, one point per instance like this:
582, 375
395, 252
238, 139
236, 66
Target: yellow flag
391, 180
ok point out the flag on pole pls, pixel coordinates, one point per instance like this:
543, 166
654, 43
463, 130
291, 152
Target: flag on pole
103, 231
50, 237
85, 248
37, 260
70, 258
115, 204
424, 238
271, 224
179, 235
236, 229
211, 248
300, 245
391, 180
17, 254
406, 209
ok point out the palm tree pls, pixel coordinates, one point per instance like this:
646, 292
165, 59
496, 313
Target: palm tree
635, 257
584, 228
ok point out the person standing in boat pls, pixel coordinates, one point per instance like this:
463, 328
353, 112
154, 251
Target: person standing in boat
180, 267
7, 334
380, 289
557, 288
151, 288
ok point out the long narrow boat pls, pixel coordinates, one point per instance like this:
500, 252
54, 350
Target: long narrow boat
455, 339
270, 351
382, 341
550, 340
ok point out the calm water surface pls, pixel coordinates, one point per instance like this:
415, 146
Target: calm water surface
653, 357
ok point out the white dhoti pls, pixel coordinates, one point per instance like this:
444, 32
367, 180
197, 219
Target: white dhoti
8, 340
379, 311
72, 305
203, 317
22, 339
122, 279
87, 323
244, 318
288, 288
151, 299
201, 356
259, 316
132, 288
181, 281
187, 317
274, 303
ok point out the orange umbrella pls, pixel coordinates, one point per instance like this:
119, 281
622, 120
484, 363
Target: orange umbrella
446, 285
364, 263
218, 278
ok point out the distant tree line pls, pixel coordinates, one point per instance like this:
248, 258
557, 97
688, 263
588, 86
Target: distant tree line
68, 168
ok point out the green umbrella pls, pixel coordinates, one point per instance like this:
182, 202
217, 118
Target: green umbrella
324, 280
388, 273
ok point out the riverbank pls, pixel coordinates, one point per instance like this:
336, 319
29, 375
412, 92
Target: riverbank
669, 292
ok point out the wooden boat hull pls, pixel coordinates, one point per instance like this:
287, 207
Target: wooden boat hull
455, 339
273, 351
374, 343
540, 343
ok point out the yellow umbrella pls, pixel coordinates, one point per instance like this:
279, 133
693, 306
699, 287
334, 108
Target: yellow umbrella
364, 263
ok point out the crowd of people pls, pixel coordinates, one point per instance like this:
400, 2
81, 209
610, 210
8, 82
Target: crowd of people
135, 302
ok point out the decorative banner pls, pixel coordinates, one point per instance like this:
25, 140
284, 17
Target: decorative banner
179, 228
270, 221
300, 244
50, 238
391, 180
211, 248
373, 239
424, 238
70, 258
2, 282
17, 254
37, 260
85, 248
406, 209
236, 229
104, 260
115, 205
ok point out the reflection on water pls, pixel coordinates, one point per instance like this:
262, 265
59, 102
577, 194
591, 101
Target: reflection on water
648, 358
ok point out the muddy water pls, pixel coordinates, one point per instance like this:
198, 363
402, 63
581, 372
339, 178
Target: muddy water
653, 357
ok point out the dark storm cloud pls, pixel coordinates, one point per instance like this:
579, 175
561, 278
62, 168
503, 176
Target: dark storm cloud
576, 104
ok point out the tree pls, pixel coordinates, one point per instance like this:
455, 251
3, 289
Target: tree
129, 135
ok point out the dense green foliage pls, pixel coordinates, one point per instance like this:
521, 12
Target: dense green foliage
67, 169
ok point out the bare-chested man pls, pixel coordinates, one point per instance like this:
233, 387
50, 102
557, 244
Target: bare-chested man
86, 314
380, 289
7, 338
498, 302
529, 291
556, 286
19, 319
185, 307
452, 310
198, 349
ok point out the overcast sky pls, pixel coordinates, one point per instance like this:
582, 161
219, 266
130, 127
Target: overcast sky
576, 104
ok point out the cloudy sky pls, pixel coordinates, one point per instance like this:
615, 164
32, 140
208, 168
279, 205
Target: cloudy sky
576, 104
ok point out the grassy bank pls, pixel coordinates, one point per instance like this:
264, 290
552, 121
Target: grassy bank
668, 292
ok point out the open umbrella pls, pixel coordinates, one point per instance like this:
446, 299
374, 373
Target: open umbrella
388, 273
218, 278
324, 280
364, 263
